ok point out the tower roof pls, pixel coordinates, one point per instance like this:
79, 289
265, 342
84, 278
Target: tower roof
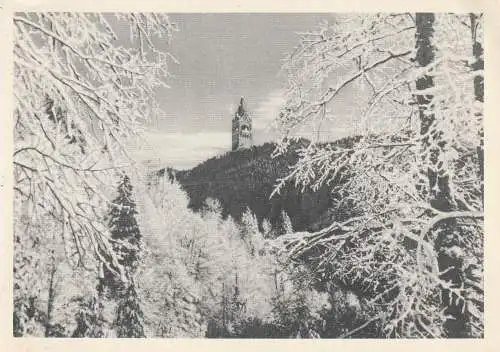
241, 108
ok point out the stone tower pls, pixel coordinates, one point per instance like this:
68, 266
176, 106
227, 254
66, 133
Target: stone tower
242, 128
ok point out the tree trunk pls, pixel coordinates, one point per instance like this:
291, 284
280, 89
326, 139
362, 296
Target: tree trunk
51, 298
477, 52
438, 181
439, 190
478, 65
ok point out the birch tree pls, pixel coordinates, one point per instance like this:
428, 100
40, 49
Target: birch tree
414, 175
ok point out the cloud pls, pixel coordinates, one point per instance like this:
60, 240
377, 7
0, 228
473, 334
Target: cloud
186, 150
342, 122
265, 113
180, 150
268, 109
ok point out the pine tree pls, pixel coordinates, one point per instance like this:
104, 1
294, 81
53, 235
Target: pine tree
287, 222
89, 319
124, 225
126, 236
129, 319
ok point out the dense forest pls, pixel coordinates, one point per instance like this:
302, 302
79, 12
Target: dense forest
246, 179
378, 235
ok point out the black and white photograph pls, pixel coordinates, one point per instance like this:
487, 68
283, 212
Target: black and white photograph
248, 175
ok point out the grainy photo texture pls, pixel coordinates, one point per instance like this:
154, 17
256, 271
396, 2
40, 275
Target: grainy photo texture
248, 175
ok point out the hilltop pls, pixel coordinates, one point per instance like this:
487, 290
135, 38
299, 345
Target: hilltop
246, 178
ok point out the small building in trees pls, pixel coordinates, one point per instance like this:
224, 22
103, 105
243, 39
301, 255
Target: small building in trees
242, 128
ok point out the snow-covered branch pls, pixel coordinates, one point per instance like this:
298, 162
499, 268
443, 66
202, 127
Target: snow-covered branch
81, 90
392, 173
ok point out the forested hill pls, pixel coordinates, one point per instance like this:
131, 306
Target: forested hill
246, 178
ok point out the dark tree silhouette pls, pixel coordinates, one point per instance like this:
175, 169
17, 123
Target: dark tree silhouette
129, 315
126, 236
127, 244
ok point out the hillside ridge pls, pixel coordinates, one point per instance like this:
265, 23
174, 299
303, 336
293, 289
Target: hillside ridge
246, 178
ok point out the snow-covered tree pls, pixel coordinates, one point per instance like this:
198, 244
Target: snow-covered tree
45, 283
287, 223
126, 238
166, 279
89, 319
129, 315
80, 90
250, 232
297, 305
198, 269
413, 176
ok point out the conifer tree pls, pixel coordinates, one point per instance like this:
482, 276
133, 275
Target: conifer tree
129, 319
126, 236
287, 222
89, 319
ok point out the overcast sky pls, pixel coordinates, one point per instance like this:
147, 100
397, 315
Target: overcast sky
221, 58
